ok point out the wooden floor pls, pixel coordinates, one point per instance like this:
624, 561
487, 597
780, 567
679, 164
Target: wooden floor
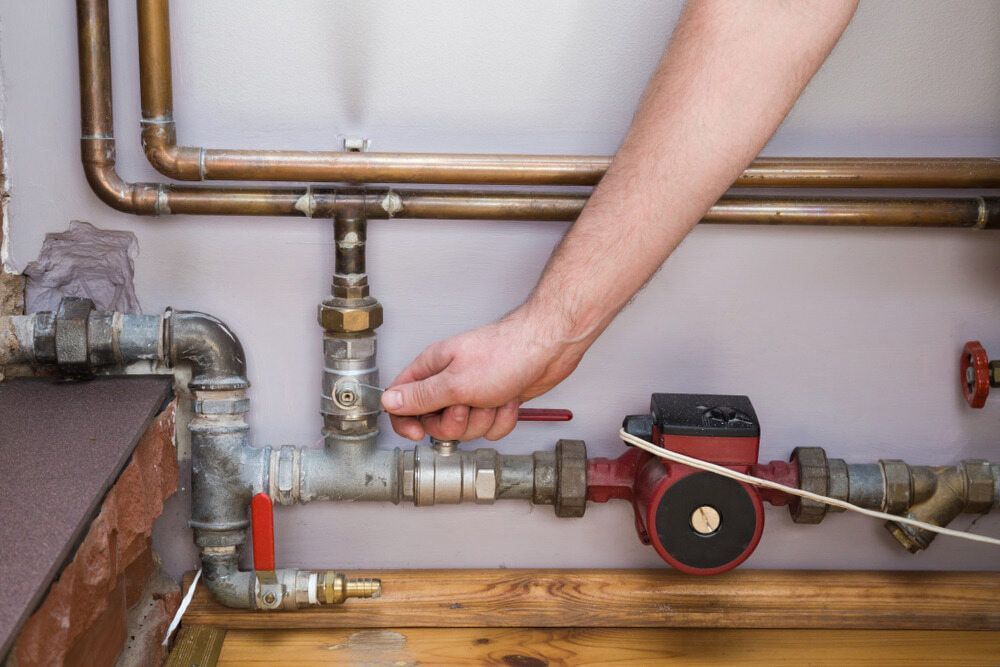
533, 618
520, 647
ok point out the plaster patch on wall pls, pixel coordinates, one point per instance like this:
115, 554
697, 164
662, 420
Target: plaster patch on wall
6, 264
87, 262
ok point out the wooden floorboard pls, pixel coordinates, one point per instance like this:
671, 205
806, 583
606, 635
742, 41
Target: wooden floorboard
645, 598
196, 646
539, 647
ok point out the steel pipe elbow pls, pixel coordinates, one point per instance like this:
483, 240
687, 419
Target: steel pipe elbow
209, 346
229, 586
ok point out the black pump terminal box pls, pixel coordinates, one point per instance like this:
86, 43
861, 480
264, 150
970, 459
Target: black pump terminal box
705, 415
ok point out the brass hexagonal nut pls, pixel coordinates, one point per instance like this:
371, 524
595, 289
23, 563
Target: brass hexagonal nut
338, 318
979, 485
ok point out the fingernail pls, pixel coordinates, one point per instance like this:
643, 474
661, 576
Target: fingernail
460, 413
392, 400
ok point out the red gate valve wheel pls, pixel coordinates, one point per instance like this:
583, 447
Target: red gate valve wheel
544, 415
975, 373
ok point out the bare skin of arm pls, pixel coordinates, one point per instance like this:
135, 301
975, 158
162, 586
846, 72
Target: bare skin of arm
732, 71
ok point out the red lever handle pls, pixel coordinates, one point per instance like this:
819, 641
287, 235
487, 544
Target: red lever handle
543, 415
262, 528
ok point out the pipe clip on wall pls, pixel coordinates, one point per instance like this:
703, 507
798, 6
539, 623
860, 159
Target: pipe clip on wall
697, 523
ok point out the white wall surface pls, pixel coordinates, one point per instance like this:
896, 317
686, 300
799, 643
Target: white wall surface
845, 339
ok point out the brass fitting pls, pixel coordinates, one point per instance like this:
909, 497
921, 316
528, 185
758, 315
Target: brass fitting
342, 316
335, 588
943, 492
349, 292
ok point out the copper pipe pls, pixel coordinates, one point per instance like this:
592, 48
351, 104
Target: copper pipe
98, 153
194, 163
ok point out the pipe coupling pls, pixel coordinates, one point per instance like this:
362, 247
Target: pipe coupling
285, 475
814, 476
448, 476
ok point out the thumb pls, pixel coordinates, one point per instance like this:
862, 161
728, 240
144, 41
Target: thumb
419, 398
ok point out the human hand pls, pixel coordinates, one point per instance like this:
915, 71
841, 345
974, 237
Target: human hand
470, 386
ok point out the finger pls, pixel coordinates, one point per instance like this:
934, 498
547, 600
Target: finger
408, 427
449, 424
430, 362
480, 422
505, 421
421, 397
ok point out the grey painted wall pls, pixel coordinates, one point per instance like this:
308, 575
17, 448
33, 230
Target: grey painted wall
846, 339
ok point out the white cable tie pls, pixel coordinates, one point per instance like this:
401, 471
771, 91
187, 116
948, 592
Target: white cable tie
183, 607
791, 490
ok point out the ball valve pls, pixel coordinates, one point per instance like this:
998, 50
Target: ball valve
977, 373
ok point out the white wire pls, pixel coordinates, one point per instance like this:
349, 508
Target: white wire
791, 490
182, 608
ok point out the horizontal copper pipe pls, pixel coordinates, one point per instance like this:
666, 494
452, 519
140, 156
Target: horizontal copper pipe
163, 199
98, 153
188, 163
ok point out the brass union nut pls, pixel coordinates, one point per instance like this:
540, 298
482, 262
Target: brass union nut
340, 316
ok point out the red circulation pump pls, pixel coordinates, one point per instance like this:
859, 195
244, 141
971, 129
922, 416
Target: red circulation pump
698, 522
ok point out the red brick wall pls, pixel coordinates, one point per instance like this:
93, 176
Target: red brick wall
83, 620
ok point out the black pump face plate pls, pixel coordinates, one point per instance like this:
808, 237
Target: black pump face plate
738, 520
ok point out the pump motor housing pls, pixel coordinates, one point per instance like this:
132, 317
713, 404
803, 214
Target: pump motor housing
698, 522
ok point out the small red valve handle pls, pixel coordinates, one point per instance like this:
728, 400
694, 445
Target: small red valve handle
544, 415
262, 528
975, 373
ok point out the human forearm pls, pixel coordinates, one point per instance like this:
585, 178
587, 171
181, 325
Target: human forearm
731, 73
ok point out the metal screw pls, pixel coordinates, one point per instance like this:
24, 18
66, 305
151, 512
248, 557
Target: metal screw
705, 520
269, 598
